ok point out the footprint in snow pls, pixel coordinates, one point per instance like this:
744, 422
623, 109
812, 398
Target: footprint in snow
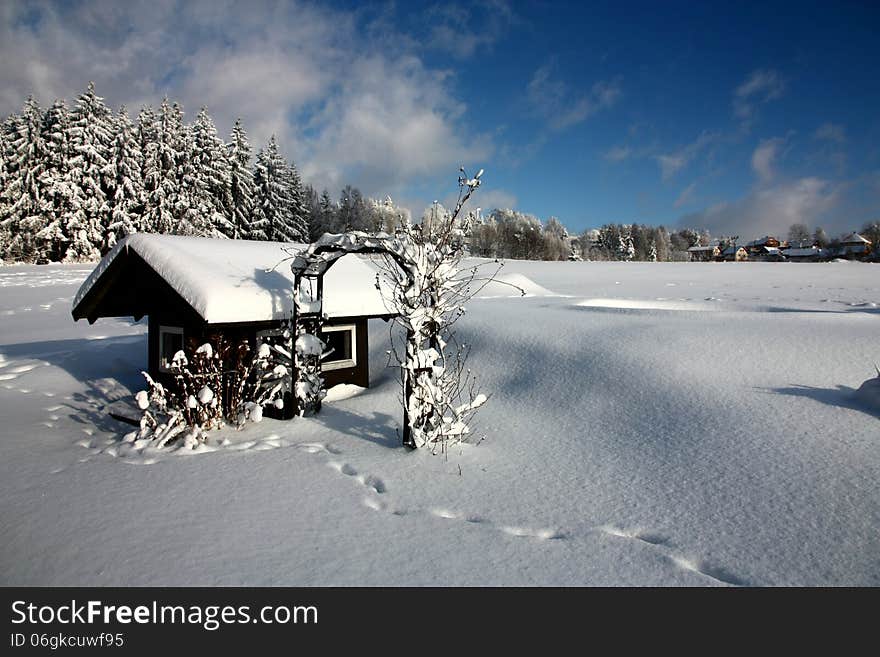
650, 538
525, 532
717, 573
375, 505
318, 448
344, 468
374, 483
656, 540
520, 532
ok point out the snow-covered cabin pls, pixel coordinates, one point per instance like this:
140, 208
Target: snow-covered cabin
854, 246
193, 288
704, 253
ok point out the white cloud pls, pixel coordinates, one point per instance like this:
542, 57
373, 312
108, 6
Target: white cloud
672, 163
759, 87
764, 156
771, 209
830, 132
553, 100
346, 109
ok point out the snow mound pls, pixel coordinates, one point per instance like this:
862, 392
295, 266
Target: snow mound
643, 304
513, 285
869, 394
343, 391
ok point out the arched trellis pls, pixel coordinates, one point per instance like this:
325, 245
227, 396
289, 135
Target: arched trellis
425, 262
308, 269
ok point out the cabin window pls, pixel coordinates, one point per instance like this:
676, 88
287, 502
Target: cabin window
170, 342
341, 344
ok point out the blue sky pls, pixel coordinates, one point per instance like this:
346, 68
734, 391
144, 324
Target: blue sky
741, 118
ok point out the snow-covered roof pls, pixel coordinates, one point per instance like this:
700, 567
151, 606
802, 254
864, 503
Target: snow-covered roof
804, 252
229, 281
762, 241
854, 238
702, 248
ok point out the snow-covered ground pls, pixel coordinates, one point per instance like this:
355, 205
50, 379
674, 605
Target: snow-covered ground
650, 424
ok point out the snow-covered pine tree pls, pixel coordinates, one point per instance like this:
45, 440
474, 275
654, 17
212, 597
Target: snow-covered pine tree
60, 195
192, 205
625, 250
4, 177
265, 198
353, 213
90, 139
324, 218
189, 203
23, 217
294, 223
210, 167
278, 210
145, 132
161, 154
241, 182
123, 174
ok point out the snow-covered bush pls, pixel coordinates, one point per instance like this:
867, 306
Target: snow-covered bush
216, 385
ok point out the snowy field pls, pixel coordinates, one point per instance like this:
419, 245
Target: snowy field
650, 424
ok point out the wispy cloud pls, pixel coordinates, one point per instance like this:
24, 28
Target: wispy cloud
462, 30
759, 87
764, 156
673, 162
831, 132
686, 196
553, 100
618, 153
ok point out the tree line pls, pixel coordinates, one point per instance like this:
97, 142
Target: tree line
73, 181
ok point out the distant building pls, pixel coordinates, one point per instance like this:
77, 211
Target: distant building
754, 247
806, 254
768, 254
854, 247
704, 253
734, 254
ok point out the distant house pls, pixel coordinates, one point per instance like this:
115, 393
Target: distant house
768, 254
755, 246
854, 246
734, 254
194, 288
704, 253
806, 254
